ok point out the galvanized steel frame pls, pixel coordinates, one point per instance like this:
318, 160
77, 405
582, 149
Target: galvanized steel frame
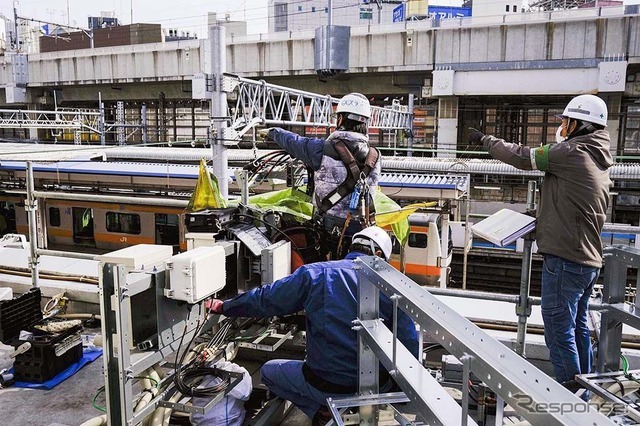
617, 259
506, 373
279, 105
122, 366
57, 119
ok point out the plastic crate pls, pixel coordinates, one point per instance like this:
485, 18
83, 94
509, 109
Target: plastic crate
50, 353
48, 357
18, 313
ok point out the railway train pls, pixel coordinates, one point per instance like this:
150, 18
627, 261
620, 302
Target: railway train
96, 226
101, 225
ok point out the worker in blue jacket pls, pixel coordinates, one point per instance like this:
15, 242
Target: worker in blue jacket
340, 163
327, 291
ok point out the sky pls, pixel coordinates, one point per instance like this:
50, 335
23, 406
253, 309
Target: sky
185, 15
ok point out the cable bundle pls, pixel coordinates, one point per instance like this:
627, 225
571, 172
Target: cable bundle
187, 377
187, 381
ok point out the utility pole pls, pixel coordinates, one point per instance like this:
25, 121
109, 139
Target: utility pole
220, 164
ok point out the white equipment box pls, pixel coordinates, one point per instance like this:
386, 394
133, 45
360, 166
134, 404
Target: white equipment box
196, 274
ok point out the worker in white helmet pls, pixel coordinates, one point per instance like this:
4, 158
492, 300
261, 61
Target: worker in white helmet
339, 164
327, 291
573, 206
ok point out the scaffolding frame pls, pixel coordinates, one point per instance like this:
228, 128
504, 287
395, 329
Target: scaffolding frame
514, 380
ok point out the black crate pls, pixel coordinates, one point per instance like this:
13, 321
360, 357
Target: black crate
18, 313
49, 355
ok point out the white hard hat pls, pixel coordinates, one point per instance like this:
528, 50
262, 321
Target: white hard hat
356, 105
376, 234
588, 108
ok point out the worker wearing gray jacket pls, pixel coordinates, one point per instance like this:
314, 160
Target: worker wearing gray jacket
573, 205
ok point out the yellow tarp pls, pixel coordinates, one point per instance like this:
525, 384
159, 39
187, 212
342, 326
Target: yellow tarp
388, 212
298, 204
207, 193
290, 200
399, 219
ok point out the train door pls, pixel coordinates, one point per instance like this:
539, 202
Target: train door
7, 218
83, 226
167, 230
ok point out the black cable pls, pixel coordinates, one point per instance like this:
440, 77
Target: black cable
177, 377
190, 377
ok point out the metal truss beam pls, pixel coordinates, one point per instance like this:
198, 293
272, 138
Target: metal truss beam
271, 104
533, 394
59, 119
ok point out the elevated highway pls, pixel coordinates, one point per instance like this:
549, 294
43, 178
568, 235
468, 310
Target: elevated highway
388, 59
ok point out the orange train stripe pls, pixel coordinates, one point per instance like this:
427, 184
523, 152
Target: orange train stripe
123, 239
412, 228
415, 269
59, 232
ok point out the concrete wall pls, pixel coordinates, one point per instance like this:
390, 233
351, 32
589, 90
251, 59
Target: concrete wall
582, 39
148, 62
397, 48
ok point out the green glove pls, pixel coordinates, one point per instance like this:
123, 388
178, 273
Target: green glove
264, 133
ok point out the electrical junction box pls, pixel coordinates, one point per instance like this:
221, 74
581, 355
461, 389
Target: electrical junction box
196, 274
275, 262
200, 239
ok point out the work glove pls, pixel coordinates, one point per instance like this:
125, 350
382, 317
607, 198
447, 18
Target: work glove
475, 136
214, 305
264, 133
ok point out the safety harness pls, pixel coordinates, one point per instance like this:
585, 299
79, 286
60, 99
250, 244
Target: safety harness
355, 171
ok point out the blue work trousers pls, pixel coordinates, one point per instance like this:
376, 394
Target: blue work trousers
284, 378
566, 289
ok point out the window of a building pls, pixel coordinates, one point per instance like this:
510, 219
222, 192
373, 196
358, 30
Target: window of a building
123, 223
54, 216
313, 8
299, 8
280, 17
632, 130
507, 8
515, 8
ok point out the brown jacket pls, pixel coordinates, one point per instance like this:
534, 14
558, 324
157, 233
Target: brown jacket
574, 196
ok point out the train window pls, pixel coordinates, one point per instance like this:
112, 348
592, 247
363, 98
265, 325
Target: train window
54, 216
417, 240
124, 223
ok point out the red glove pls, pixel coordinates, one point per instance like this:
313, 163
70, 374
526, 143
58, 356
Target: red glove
214, 305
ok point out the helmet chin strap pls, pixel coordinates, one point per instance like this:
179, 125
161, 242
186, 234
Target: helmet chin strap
373, 246
585, 128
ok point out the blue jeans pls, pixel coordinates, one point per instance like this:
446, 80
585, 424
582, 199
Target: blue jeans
284, 378
566, 289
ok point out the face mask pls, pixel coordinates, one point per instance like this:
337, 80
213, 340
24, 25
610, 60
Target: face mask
559, 137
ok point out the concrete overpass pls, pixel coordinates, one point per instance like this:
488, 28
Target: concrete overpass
544, 54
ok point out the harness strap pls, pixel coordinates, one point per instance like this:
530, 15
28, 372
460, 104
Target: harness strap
355, 170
